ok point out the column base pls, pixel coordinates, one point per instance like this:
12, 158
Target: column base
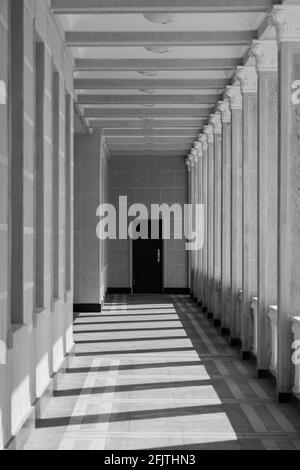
246, 355
210, 316
284, 397
225, 331
200, 304
217, 323
235, 343
204, 309
263, 374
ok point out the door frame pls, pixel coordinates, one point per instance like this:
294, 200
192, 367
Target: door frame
163, 257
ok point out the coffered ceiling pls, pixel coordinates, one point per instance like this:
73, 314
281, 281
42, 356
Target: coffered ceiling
148, 73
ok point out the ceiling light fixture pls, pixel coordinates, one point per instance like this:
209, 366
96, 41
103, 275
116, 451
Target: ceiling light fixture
159, 49
149, 73
149, 91
160, 18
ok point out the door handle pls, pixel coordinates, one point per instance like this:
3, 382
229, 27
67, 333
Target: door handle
158, 256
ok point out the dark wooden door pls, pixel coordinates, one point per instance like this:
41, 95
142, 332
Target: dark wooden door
148, 263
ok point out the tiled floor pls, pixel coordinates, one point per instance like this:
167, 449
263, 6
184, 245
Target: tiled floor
150, 372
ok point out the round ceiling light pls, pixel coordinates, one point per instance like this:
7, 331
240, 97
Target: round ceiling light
160, 18
149, 73
158, 49
149, 91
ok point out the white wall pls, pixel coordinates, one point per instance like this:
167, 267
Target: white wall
148, 181
33, 349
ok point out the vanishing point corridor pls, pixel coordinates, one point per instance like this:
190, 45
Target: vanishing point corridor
151, 372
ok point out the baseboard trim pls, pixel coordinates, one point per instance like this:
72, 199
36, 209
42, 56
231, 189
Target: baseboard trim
248, 356
235, 343
118, 290
18, 441
225, 332
87, 308
284, 397
264, 374
177, 291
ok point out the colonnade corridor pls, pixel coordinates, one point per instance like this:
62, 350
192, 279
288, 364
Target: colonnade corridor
151, 372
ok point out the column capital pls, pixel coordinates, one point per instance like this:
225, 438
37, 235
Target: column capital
203, 140
198, 148
265, 54
188, 164
247, 76
209, 131
286, 19
194, 154
190, 161
224, 108
296, 327
215, 120
235, 97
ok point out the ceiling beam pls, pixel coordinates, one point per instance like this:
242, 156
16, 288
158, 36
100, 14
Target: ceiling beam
158, 38
141, 140
149, 153
126, 133
147, 99
156, 84
127, 124
143, 6
156, 112
111, 65
143, 148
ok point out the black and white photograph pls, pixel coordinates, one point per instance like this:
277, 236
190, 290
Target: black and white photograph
150, 228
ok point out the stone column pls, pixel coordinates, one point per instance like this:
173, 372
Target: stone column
189, 169
203, 287
209, 131
248, 80
266, 55
194, 154
217, 128
198, 147
287, 21
236, 106
226, 209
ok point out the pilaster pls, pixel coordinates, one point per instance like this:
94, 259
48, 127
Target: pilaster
224, 109
266, 58
247, 76
236, 106
217, 230
286, 20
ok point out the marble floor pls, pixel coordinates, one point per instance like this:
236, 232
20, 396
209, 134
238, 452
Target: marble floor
150, 372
